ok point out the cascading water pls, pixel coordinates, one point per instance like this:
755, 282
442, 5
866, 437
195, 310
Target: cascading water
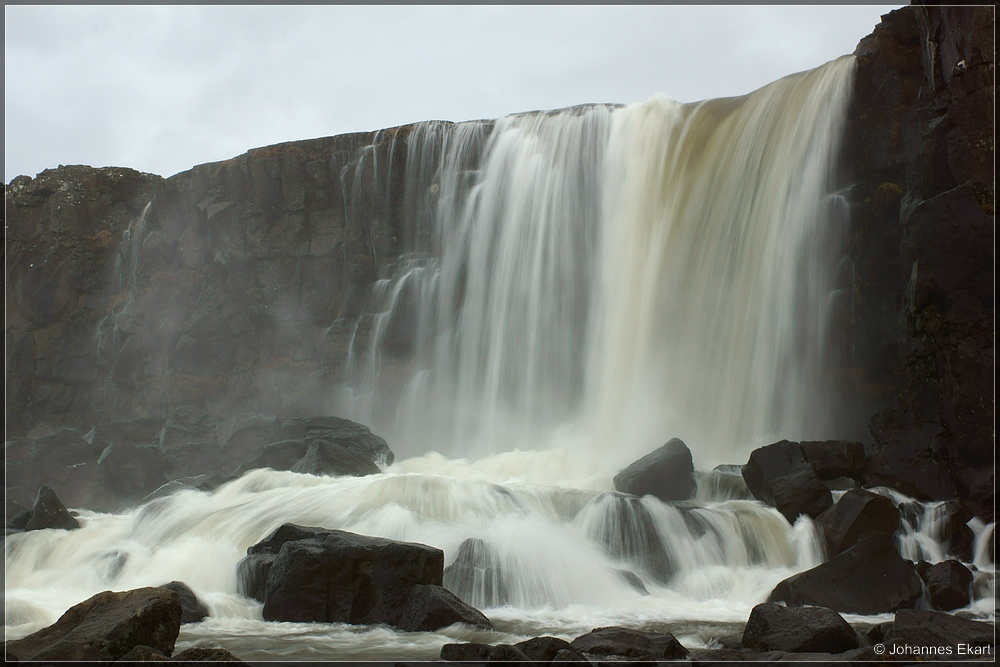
621, 273
584, 284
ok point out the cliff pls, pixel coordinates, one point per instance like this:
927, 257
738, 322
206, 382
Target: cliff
255, 272
920, 153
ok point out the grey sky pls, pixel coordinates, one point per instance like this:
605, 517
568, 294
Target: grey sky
161, 89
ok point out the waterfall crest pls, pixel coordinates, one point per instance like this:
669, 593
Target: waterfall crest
621, 272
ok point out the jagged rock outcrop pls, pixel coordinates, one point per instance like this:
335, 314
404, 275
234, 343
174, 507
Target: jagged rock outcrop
919, 152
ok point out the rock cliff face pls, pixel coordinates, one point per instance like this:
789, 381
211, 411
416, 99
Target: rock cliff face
233, 286
237, 286
920, 152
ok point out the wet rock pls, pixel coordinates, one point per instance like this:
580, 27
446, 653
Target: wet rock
773, 627
925, 628
543, 649
779, 475
468, 652
948, 585
633, 644
343, 432
106, 627
331, 576
279, 455
632, 580
197, 655
832, 459
194, 459
476, 575
857, 515
49, 512
143, 654
876, 633
17, 515
569, 655
432, 607
868, 578
133, 472
626, 531
329, 458
507, 653
666, 473
194, 610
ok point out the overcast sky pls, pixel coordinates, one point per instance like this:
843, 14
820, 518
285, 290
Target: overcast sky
162, 89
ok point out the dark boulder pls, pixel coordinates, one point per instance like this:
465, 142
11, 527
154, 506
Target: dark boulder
432, 607
343, 432
280, 455
507, 653
925, 628
331, 576
773, 627
779, 475
948, 585
49, 512
476, 575
17, 515
132, 472
627, 643
868, 578
468, 652
666, 473
955, 532
191, 459
198, 655
569, 655
857, 515
194, 610
543, 649
106, 627
832, 459
329, 458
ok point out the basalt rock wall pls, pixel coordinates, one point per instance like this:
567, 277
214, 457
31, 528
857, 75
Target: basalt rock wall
233, 286
920, 157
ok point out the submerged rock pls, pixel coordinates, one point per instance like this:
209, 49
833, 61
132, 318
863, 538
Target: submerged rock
628, 643
476, 575
868, 578
857, 515
666, 473
194, 610
106, 627
948, 585
779, 475
331, 576
773, 627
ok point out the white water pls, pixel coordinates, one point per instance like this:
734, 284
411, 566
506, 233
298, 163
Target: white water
582, 284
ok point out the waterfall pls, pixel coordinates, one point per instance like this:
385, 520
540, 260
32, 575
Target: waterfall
620, 274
